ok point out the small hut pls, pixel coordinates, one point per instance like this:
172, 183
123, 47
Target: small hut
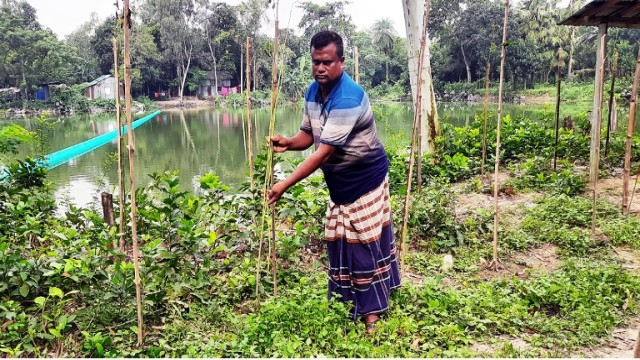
103, 88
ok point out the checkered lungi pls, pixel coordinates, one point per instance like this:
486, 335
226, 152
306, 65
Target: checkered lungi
363, 267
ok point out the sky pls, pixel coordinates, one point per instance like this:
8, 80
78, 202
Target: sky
65, 16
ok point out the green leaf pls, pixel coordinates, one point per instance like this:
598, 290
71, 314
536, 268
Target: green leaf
55, 332
24, 290
54, 291
39, 300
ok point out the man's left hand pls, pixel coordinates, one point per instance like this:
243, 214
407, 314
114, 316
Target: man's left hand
275, 193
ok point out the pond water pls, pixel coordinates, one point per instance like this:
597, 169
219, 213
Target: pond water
199, 141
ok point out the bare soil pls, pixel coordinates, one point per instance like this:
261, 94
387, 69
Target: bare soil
188, 102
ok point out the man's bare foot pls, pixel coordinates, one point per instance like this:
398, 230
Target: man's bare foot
370, 322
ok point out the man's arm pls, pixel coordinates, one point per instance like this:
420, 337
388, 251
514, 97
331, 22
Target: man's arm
301, 141
308, 166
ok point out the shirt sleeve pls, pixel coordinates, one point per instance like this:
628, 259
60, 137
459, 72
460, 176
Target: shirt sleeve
341, 120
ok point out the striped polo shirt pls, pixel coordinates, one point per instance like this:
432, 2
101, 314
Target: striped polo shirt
345, 120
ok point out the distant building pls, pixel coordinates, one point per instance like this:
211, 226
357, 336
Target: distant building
9, 94
102, 88
44, 92
208, 86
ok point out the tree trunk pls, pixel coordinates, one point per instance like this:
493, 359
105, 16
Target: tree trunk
466, 62
215, 67
430, 126
185, 70
596, 114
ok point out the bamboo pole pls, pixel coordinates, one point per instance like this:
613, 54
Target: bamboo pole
121, 189
131, 146
595, 165
614, 66
596, 115
484, 123
496, 185
416, 120
558, 84
269, 179
272, 125
629, 140
356, 59
249, 125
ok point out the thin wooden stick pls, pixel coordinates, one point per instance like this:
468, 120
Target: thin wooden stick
272, 125
597, 122
131, 146
121, 190
558, 84
496, 185
416, 120
249, 125
484, 124
629, 140
356, 65
614, 66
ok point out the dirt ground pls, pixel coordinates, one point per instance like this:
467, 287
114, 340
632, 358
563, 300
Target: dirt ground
188, 103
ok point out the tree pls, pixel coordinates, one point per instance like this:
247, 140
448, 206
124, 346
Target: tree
220, 24
251, 15
331, 16
383, 37
413, 20
179, 33
538, 20
31, 55
80, 39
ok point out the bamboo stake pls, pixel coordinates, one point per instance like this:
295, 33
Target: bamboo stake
249, 127
121, 189
484, 124
496, 185
272, 125
416, 120
356, 59
131, 146
614, 66
629, 140
558, 83
597, 122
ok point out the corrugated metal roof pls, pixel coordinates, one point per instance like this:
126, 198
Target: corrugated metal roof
615, 13
98, 80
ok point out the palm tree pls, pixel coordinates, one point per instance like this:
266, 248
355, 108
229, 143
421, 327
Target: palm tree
540, 19
383, 38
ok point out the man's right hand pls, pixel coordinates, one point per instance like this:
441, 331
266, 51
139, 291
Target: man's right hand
280, 143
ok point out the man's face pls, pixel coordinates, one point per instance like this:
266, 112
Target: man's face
326, 65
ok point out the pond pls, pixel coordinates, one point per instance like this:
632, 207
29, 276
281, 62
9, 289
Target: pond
207, 140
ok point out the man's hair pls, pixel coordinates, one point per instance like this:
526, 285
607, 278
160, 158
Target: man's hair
324, 38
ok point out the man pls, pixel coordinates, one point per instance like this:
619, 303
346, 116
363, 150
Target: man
338, 120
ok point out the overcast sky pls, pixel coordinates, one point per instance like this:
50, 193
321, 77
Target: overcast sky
64, 16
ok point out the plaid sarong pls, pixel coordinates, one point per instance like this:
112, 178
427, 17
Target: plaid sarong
363, 267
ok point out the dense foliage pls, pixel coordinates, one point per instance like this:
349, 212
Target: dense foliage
179, 46
65, 290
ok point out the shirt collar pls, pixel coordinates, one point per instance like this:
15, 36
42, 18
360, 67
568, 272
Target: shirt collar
333, 91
